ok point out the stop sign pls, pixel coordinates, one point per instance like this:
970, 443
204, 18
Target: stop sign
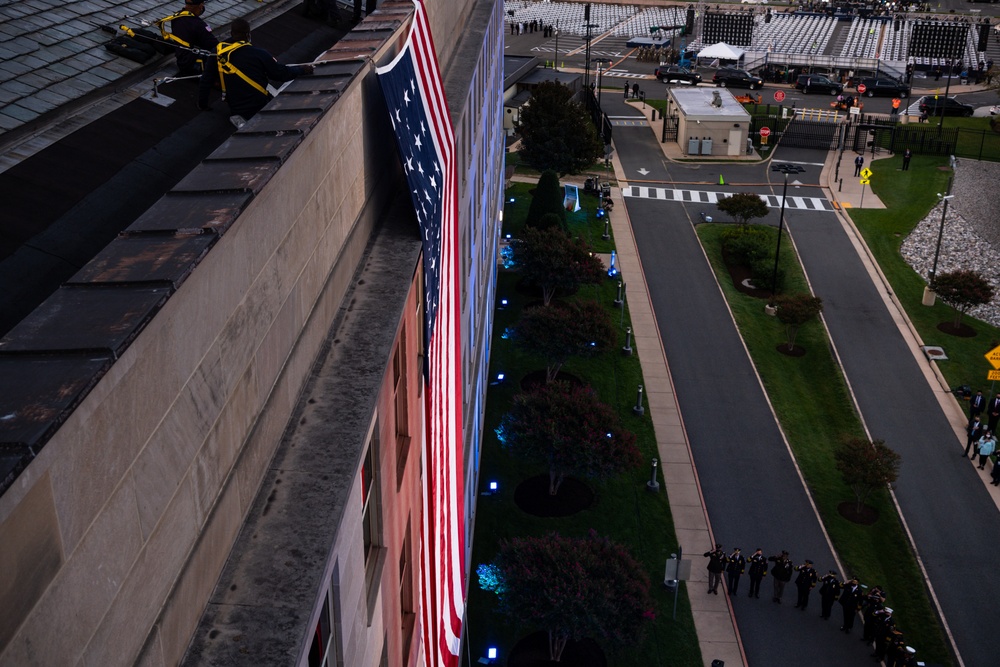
862, 88
765, 131
779, 95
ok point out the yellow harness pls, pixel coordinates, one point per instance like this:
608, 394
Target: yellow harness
169, 36
224, 51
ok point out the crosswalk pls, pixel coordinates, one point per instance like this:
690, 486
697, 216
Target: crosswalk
713, 197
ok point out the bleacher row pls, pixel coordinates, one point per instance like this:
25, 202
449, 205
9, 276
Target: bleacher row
786, 33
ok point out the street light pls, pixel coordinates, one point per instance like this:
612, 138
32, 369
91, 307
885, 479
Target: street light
785, 169
600, 62
937, 250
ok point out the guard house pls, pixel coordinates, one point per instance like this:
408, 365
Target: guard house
710, 121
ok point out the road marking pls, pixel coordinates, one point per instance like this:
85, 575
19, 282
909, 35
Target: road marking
712, 197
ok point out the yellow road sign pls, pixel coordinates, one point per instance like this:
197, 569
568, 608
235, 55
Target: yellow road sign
993, 356
866, 173
865, 181
993, 375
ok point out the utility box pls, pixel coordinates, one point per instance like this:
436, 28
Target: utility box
706, 146
693, 145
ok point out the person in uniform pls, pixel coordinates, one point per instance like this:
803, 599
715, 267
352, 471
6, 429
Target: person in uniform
885, 634
716, 564
735, 564
804, 583
782, 573
850, 602
187, 31
873, 603
829, 591
993, 413
244, 71
756, 570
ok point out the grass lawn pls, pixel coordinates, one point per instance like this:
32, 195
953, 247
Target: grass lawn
909, 196
623, 510
583, 223
815, 411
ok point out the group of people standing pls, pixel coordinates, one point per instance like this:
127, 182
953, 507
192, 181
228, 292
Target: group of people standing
982, 441
879, 632
524, 27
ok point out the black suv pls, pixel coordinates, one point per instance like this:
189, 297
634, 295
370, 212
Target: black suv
950, 106
728, 76
816, 83
885, 87
677, 74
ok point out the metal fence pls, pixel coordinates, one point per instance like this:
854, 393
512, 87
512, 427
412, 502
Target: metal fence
877, 131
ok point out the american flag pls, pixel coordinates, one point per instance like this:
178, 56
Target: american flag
416, 103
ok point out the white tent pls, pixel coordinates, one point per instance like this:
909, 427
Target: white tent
721, 51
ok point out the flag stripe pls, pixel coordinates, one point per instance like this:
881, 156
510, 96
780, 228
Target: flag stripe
418, 109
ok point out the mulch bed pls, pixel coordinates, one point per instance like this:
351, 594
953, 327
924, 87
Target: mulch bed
866, 517
740, 275
532, 496
961, 331
533, 651
796, 351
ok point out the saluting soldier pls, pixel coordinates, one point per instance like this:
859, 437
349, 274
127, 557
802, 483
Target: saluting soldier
735, 564
804, 583
756, 570
829, 591
883, 632
782, 573
897, 647
716, 564
850, 601
873, 604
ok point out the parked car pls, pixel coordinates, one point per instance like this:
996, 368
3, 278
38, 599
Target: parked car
950, 105
885, 88
729, 76
816, 83
677, 74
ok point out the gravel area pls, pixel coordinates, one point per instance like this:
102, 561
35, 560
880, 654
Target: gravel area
971, 238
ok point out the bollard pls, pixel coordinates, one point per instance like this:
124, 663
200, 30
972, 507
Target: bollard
652, 485
618, 299
840, 186
607, 232
627, 350
637, 409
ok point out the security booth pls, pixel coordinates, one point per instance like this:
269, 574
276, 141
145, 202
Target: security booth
710, 122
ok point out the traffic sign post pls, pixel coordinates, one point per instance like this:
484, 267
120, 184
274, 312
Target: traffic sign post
993, 375
993, 356
866, 173
862, 88
765, 131
779, 96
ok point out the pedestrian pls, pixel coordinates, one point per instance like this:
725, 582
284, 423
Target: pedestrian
937, 72
244, 72
987, 445
885, 635
804, 582
859, 163
873, 603
187, 31
975, 431
995, 473
756, 570
907, 154
993, 413
716, 564
850, 602
977, 405
735, 564
635, 90
829, 591
782, 573
895, 105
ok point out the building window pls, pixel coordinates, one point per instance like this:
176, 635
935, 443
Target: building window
401, 397
322, 651
371, 524
407, 605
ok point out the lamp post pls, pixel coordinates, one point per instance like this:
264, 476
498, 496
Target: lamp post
555, 65
600, 62
785, 169
937, 250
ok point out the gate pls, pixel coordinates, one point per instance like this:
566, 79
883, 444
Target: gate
669, 129
802, 133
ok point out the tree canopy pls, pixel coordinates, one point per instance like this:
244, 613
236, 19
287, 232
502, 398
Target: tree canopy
794, 310
573, 587
866, 466
561, 331
546, 201
962, 290
556, 132
552, 260
570, 430
743, 206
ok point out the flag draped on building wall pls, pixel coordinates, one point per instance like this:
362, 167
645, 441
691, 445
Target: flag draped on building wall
416, 103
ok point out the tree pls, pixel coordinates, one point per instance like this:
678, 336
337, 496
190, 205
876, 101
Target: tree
962, 290
556, 132
866, 466
561, 331
743, 207
794, 310
572, 587
547, 200
570, 430
552, 260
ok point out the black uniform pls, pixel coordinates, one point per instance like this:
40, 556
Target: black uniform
873, 604
829, 591
977, 405
975, 431
716, 564
850, 601
195, 32
244, 98
804, 583
757, 570
993, 413
782, 573
735, 564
